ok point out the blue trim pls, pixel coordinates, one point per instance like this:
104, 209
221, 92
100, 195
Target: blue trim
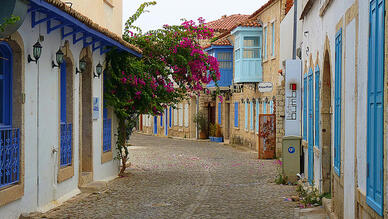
251, 115
53, 12
317, 105
219, 113
9, 156
337, 102
235, 114
375, 108
217, 47
246, 115
273, 41
310, 127
6, 81
264, 107
155, 125
305, 107
257, 115
63, 95
169, 118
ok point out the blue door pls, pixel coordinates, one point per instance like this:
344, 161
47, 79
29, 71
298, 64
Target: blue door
305, 107
155, 125
166, 122
310, 127
375, 120
337, 102
317, 105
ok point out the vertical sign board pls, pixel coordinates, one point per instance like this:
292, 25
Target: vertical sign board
293, 101
96, 108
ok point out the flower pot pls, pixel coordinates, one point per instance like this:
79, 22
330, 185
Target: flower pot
202, 135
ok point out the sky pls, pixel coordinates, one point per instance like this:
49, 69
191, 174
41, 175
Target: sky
171, 11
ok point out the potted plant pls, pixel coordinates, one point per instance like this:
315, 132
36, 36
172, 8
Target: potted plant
215, 133
201, 120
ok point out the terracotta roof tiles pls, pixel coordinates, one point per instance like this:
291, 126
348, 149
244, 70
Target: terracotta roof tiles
227, 22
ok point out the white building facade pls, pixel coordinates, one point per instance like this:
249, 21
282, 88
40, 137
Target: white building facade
55, 133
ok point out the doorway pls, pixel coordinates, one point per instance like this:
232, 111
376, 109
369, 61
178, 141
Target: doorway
326, 116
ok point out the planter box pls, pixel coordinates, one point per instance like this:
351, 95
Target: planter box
216, 139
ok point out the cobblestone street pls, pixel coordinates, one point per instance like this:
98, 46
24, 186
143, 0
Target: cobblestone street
172, 178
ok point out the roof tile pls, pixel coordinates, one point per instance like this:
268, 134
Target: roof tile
227, 22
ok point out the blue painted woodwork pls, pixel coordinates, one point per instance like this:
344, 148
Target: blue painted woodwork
235, 114
66, 144
65, 20
264, 107
155, 125
166, 122
247, 49
9, 156
317, 105
375, 114
271, 107
63, 92
169, 117
224, 55
251, 114
216, 139
107, 135
337, 102
161, 120
219, 113
246, 116
257, 115
310, 126
305, 107
5, 85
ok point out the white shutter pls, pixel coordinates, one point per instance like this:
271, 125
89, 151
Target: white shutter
186, 115
180, 115
175, 117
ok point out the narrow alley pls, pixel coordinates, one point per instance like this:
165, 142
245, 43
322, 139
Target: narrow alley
172, 178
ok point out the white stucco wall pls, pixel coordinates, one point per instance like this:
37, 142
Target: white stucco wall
349, 108
41, 126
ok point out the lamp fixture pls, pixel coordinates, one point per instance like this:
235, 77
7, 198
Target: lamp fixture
82, 66
98, 70
58, 57
242, 100
36, 52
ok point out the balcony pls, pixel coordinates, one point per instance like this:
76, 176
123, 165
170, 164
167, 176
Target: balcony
9, 156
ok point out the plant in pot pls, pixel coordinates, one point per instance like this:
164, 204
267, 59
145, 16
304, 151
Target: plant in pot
212, 131
218, 135
201, 120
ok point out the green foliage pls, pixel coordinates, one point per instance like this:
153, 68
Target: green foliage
310, 196
201, 120
129, 24
213, 129
9, 21
280, 177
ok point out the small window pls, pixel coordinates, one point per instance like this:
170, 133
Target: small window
251, 47
225, 60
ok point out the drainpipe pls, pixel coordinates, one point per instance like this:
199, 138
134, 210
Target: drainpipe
295, 29
37, 132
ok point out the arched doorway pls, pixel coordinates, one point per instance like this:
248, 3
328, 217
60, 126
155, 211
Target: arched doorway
326, 116
86, 121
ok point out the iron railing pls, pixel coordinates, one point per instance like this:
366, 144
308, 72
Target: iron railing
9, 156
66, 152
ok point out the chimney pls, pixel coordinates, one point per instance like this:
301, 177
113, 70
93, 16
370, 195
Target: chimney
223, 16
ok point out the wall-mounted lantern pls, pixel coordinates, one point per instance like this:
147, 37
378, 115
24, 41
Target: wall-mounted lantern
253, 100
82, 66
59, 59
242, 100
36, 52
98, 70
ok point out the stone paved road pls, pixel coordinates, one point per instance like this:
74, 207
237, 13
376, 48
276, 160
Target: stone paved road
172, 178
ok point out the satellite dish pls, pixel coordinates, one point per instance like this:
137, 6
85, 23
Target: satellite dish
11, 8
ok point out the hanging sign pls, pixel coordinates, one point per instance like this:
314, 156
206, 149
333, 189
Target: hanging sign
264, 87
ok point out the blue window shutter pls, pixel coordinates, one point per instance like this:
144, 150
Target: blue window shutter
252, 119
5, 85
105, 113
271, 107
246, 115
375, 114
265, 42
161, 120
264, 107
310, 135
63, 92
317, 106
305, 107
337, 102
219, 113
236, 114
257, 115
170, 115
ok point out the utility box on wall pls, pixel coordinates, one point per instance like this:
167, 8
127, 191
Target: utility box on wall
293, 100
291, 157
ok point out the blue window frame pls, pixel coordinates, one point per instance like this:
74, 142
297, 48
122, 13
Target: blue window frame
224, 55
219, 113
375, 114
161, 120
310, 127
271, 107
66, 128
235, 114
305, 107
264, 107
257, 115
9, 137
337, 102
155, 125
169, 118
317, 105
251, 115
273, 40
246, 115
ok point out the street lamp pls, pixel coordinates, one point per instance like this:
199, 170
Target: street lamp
58, 57
98, 70
36, 52
82, 66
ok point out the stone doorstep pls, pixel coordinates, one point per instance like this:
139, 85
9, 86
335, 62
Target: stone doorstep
94, 187
327, 205
311, 213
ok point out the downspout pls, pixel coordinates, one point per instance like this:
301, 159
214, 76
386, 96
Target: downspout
295, 29
37, 133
